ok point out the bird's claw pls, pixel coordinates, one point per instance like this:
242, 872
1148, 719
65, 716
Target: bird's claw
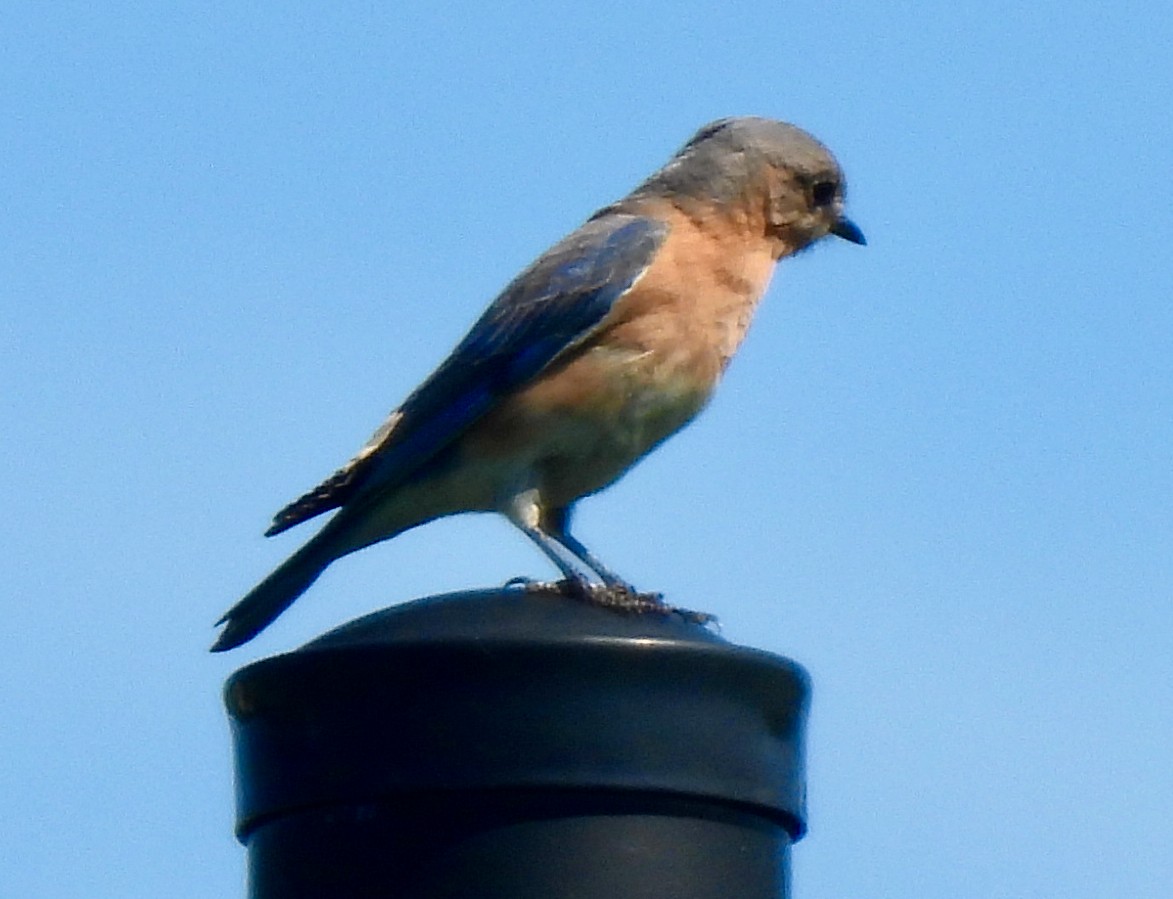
618, 597
626, 599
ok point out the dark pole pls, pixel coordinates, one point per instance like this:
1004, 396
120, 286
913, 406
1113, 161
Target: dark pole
512, 745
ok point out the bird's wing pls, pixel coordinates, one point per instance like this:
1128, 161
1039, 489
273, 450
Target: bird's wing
552, 306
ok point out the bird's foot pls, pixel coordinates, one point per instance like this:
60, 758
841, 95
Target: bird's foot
626, 599
533, 585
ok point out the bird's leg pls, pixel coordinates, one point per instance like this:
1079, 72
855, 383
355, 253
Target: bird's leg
617, 593
547, 528
615, 585
613, 593
525, 512
574, 583
556, 522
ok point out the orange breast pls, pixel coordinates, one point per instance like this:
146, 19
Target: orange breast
647, 371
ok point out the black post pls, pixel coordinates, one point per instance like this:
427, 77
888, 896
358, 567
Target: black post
512, 745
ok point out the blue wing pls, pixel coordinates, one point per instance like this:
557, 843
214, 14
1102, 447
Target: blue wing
552, 306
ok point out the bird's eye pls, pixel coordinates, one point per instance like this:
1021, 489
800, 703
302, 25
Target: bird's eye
823, 193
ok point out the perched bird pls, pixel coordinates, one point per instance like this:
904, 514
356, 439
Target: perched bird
605, 346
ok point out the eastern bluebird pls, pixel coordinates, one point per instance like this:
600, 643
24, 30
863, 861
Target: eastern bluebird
609, 343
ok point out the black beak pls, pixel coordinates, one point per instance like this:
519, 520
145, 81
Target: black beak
849, 230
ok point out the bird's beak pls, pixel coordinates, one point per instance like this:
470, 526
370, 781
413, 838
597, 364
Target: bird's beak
848, 230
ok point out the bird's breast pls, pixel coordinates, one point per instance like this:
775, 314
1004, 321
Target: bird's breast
647, 371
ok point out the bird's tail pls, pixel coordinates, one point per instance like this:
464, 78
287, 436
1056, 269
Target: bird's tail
273, 595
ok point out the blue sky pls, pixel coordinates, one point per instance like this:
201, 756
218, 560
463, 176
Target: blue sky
940, 473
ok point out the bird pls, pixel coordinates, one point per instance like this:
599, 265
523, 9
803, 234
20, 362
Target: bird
610, 342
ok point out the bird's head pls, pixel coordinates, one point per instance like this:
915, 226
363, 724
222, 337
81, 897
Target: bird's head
749, 162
